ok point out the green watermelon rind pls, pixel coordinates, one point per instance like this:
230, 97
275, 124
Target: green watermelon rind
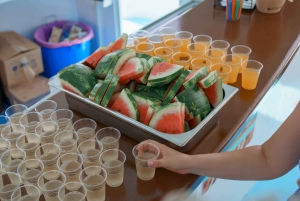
103, 89
176, 69
152, 61
153, 91
110, 90
166, 80
186, 126
94, 91
134, 104
163, 110
79, 78
146, 72
201, 73
175, 87
148, 100
145, 56
159, 59
120, 60
103, 65
191, 91
209, 79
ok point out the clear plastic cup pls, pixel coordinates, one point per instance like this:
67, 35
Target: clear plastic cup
46, 108
11, 133
4, 145
30, 121
141, 35
214, 55
11, 159
157, 40
147, 152
67, 141
167, 32
85, 128
145, 48
71, 165
250, 74
47, 130
90, 151
48, 154
185, 37
131, 43
174, 44
223, 71
9, 182
26, 193
63, 117
15, 112
94, 180
164, 52
234, 62
72, 191
203, 39
30, 171
182, 58
196, 50
242, 51
221, 45
200, 63
29, 143
109, 138
112, 161
50, 182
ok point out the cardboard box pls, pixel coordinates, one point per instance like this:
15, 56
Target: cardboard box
12, 48
30, 92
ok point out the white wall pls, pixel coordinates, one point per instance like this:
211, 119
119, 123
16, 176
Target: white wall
25, 16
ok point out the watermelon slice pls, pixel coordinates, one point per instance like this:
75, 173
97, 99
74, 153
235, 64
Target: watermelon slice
194, 121
94, 58
132, 86
149, 114
78, 79
119, 61
143, 103
195, 76
169, 119
186, 126
110, 90
214, 93
132, 69
126, 105
155, 92
104, 64
119, 44
103, 89
146, 72
94, 91
175, 87
164, 73
145, 56
208, 80
113, 99
159, 59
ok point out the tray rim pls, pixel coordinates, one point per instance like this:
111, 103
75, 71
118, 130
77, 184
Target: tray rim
229, 93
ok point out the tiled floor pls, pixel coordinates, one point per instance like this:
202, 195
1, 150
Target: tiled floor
272, 111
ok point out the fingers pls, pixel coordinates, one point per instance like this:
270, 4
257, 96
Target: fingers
156, 163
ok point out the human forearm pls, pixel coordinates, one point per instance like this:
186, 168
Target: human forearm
245, 164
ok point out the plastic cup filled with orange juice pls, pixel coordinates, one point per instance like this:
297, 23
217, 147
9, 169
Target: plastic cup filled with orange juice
186, 38
221, 45
234, 62
250, 74
157, 40
200, 63
131, 43
145, 48
242, 51
174, 44
141, 35
203, 39
183, 59
196, 50
164, 52
214, 55
223, 71
168, 32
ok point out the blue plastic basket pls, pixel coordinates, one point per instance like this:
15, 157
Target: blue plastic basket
56, 56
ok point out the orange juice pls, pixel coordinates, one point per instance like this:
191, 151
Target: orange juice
223, 71
249, 79
141, 35
131, 43
196, 50
234, 72
167, 32
183, 59
165, 53
203, 39
242, 51
214, 55
145, 48
244, 57
174, 44
157, 40
200, 63
185, 43
186, 38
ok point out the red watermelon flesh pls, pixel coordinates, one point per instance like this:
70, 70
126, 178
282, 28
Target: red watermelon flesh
161, 67
214, 93
94, 58
119, 44
121, 106
132, 69
194, 121
189, 76
113, 99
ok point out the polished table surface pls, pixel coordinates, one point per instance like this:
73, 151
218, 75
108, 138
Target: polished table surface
273, 40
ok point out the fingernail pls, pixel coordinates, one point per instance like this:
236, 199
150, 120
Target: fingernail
150, 163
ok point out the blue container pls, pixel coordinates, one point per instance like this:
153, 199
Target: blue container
57, 56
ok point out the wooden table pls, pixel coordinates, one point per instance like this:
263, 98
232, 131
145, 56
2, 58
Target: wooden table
273, 40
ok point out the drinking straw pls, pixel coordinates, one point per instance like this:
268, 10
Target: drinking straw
237, 10
240, 10
233, 9
229, 9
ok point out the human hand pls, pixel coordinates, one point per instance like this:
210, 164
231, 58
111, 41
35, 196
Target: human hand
168, 158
